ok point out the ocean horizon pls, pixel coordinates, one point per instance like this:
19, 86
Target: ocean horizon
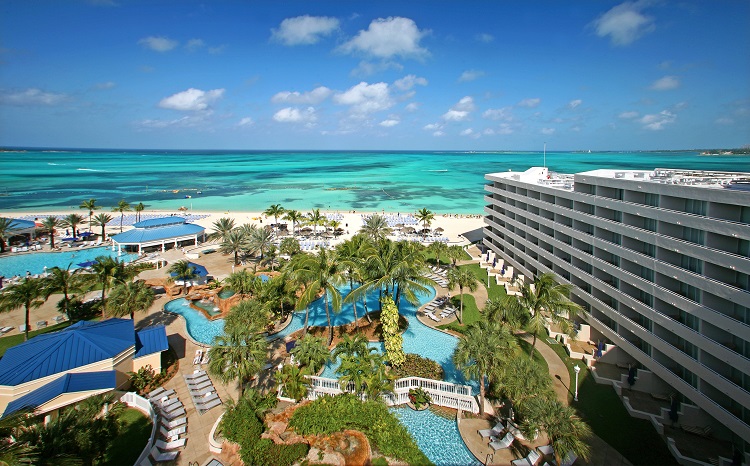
55, 180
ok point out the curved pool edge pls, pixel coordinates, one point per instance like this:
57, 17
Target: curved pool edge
184, 324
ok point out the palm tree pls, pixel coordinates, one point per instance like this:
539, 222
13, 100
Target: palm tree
91, 206
106, 271
311, 352
28, 294
184, 271
138, 209
234, 242
241, 282
259, 240
376, 228
72, 221
426, 217
238, 354
349, 346
101, 220
481, 349
545, 299
567, 432
12, 451
275, 211
295, 381
456, 253
129, 298
6, 224
121, 207
463, 278
438, 248
522, 379
63, 281
350, 256
50, 224
316, 219
221, 227
295, 217
497, 309
289, 246
271, 258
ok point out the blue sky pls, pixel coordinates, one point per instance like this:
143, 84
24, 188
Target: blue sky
390, 75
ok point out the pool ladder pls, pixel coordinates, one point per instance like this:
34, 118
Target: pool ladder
489, 459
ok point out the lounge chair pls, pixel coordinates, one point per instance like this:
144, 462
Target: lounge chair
570, 458
172, 407
158, 395
170, 445
200, 385
206, 399
5, 330
162, 457
195, 375
174, 423
174, 414
202, 392
206, 357
198, 356
515, 431
505, 442
22, 328
530, 459
546, 450
208, 406
172, 433
494, 432
164, 402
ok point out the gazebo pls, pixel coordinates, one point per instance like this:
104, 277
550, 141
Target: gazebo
158, 232
20, 227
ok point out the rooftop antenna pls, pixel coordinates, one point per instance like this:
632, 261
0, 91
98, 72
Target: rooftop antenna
545, 155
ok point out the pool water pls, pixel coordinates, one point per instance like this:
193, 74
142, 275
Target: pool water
35, 263
198, 326
226, 293
210, 308
436, 436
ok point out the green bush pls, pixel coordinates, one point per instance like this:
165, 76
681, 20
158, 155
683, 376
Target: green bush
379, 461
330, 414
417, 366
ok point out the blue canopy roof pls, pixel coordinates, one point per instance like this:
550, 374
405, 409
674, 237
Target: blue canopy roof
156, 231
151, 340
159, 222
69, 383
19, 225
80, 344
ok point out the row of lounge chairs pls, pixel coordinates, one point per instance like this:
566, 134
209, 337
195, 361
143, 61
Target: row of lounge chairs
438, 275
436, 305
33, 247
513, 433
202, 391
172, 425
201, 357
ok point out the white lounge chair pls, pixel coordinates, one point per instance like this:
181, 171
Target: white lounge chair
546, 450
208, 406
162, 457
174, 414
160, 393
505, 442
529, 460
201, 392
198, 356
206, 357
195, 375
206, 399
174, 423
162, 445
174, 432
570, 458
200, 385
494, 432
5, 330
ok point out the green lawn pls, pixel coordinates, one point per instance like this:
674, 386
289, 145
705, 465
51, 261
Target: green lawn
471, 314
13, 340
134, 433
495, 290
603, 410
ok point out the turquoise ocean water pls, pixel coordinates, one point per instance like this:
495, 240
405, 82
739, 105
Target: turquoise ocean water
47, 181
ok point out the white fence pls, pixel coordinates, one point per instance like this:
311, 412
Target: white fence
141, 404
442, 393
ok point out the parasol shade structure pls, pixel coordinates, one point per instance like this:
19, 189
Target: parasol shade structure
86, 264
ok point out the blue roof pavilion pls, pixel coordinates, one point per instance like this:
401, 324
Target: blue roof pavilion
159, 232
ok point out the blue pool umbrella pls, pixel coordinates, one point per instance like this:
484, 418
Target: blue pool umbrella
86, 234
69, 238
86, 264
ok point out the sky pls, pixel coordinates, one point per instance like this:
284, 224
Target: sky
375, 75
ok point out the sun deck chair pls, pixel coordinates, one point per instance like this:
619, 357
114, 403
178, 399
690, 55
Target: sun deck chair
530, 459
174, 423
494, 432
202, 392
505, 442
160, 393
195, 375
5, 330
200, 385
174, 414
172, 407
546, 450
162, 445
163, 457
515, 431
204, 400
206, 357
198, 356
208, 406
174, 432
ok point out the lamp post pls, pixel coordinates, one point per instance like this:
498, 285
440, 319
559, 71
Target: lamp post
576, 369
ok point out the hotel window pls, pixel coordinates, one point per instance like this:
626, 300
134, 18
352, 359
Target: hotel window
690, 292
693, 264
645, 298
689, 320
652, 199
694, 235
619, 194
649, 249
649, 224
647, 273
694, 206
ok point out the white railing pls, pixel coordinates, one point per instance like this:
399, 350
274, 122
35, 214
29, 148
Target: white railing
442, 393
141, 404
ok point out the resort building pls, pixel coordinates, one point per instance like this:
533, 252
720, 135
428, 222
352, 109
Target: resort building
159, 232
54, 370
659, 262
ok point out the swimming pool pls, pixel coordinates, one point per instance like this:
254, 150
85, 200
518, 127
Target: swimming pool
436, 436
198, 326
35, 263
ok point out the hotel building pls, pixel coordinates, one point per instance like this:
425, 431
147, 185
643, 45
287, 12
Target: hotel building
659, 262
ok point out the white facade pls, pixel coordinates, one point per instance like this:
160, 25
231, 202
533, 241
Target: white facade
659, 260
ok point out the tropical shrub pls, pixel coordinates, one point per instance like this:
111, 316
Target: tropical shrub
142, 378
419, 397
330, 414
394, 342
416, 366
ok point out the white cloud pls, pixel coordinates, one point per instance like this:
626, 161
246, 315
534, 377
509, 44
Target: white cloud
192, 100
665, 83
105, 85
246, 122
548, 131
467, 132
470, 75
724, 121
32, 96
461, 110
465, 104
437, 134
503, 113
574, 103
365, 98
657, 121
530, 103
455, 115
304, 30
505, 128
188, 121
624, 23
389, 122
484, 37
412, 107
315, 96
195, 44
432, 126
366, 68
409, 81
295, 115
158, 44
388, 37
628, 115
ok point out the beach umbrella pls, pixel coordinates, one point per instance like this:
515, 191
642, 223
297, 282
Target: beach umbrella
439, 230
86, 264
410, 229
86, 234
399, 225
182, 209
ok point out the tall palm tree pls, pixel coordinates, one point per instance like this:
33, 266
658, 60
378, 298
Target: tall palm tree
294, 380
295, 217
350, 255
275, 211
106, 271
350, 346
259, 240
316, 219
63, 281
238, 354
91, 206
28, 294
290, 246
221, 227
481, 349
567, 432
462, 278
409, 276
438, 248
101, 220
497, 309
242, 282
426, 217
234, 242
319, 273
121, 207
311, 352
138, 209
184, 271
545, 299
376, 228
6, 224
72, 221
522, 379
129, 298
50, 225
455, 253
12, 451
